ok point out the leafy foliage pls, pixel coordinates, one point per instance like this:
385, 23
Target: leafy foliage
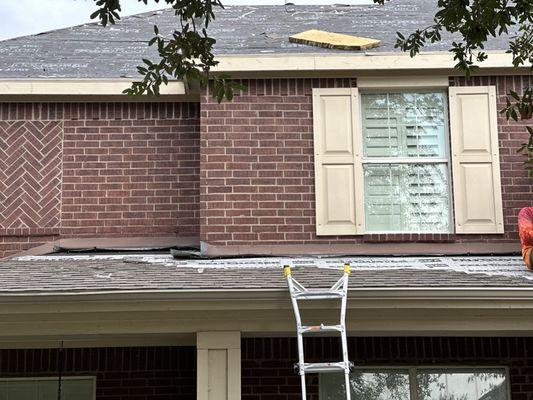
187, 54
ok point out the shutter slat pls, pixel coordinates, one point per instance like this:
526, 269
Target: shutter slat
475, 160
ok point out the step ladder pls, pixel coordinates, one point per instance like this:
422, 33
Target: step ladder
338, 291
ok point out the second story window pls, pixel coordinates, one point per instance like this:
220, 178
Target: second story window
405, 162
385, 157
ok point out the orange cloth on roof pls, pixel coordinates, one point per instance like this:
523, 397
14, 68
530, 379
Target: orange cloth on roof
525, 230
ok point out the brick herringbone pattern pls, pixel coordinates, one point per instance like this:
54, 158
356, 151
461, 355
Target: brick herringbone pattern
30, 174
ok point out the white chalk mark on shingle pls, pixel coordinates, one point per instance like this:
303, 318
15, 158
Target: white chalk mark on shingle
504, 266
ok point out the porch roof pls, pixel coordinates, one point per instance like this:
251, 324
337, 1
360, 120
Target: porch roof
108, 273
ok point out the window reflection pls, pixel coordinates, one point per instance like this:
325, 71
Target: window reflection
461, 386
382, 385
428, 384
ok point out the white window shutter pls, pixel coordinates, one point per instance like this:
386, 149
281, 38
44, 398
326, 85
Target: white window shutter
475, 160
334, 148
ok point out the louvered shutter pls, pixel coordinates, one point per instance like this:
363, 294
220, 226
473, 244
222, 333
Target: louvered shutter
333, 114
475, 160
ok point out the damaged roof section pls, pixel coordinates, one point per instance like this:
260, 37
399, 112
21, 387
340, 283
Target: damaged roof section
331, 40
149, 272
90, 51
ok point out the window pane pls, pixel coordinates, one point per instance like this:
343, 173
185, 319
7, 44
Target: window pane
403, 124
71, 389
46, 389
15, 391
406, 197
382, 385
482, 385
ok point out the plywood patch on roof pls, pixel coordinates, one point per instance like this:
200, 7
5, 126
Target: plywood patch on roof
331, 40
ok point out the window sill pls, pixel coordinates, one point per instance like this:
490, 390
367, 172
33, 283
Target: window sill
408, 237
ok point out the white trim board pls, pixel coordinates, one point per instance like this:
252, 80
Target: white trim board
350, 62
79, 87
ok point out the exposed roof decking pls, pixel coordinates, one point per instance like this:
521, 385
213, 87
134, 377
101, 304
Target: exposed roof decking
90, 51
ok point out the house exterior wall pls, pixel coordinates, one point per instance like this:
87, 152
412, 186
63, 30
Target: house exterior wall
157, 373
267, 363
97, 170
237, 173
257, 171
141, 373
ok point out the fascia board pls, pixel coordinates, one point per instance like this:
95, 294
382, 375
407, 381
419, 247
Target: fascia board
274, 298
78, 87
351, 62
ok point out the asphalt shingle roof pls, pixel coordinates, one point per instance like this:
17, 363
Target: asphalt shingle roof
90, 51
46, 274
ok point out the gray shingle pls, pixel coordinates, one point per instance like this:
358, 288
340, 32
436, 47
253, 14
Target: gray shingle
90, 51
113, 273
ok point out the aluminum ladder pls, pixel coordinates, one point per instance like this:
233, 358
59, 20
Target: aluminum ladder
338, 291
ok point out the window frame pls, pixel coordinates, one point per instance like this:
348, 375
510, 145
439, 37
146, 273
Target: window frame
361, 160
52, 378
413, 370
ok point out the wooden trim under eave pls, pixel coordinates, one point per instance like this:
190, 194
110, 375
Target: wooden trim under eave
89, 90
378, 63
119, 98
79, 87
412, 317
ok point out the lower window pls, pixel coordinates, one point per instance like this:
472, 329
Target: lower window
72, 388
419, 384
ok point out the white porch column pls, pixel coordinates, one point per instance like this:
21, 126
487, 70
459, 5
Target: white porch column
218, 365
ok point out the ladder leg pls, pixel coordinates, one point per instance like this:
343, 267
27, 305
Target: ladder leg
347, 385
344, 340
301, 360
299, 336
347, 364
302, 380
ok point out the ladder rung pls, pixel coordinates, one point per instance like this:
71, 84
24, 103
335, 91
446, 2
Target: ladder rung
326, 367
321, 328
318, 295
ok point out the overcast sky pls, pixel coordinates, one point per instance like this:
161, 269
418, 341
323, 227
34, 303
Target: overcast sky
26, 17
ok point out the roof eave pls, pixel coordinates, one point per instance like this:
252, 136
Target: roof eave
356, 63
390, 293
86, 88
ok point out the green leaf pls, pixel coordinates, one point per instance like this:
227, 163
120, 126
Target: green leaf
95, 14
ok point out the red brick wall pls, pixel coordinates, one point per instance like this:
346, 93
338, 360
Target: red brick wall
267, 363
30, 179
134, 169
141, 373
115, 169
257, 178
